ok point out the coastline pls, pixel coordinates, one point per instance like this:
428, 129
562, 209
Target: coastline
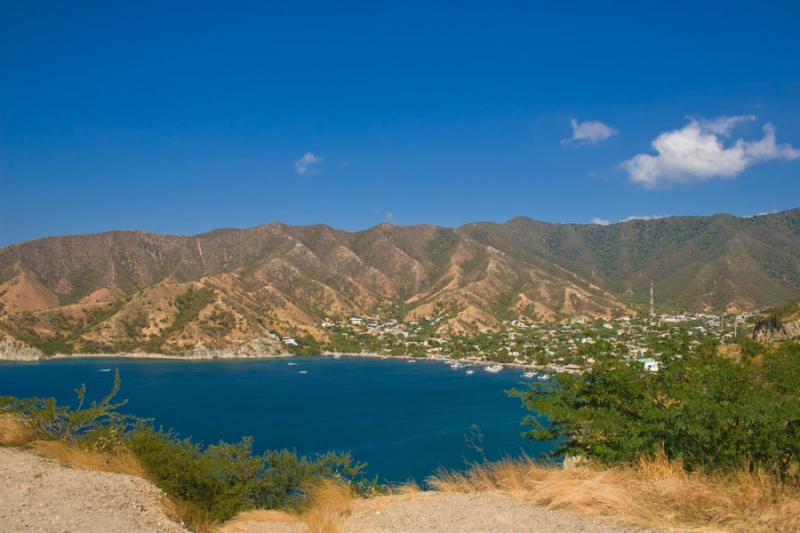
135, 355
233, 357
362, 355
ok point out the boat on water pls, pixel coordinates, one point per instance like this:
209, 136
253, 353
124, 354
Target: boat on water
470, 372
456, 366
544, 377
104, 370
494, 368
411, 360
302, 371
334, 353
529, 375
292, 364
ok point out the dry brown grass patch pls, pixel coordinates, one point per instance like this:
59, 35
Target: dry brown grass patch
123, 461
14, 430
652, 493
331, 503
241, 522
409, 487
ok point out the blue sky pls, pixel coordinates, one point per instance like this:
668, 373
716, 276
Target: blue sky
188, 117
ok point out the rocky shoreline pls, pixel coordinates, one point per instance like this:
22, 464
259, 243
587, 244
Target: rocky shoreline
14, 350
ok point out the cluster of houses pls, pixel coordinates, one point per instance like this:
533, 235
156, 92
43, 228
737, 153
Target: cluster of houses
566, 346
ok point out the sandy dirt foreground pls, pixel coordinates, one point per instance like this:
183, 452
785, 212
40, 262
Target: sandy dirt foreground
39, 495
436, 512
432, 512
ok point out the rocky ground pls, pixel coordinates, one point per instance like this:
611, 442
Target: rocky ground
38, 494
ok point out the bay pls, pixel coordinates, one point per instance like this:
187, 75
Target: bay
403, 419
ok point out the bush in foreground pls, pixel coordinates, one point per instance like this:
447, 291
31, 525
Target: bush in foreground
706, 411
224, 479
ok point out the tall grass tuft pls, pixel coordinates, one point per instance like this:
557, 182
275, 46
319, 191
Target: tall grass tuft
331, 501
14, 430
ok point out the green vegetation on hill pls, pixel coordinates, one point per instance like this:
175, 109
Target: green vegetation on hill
777, 315
188, 305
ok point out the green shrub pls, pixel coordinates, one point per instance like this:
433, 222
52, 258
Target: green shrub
705, 410
96, 422
226, 478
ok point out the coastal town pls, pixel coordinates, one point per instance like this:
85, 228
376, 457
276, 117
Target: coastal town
569, 346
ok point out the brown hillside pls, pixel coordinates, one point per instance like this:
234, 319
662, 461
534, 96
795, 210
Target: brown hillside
123, 290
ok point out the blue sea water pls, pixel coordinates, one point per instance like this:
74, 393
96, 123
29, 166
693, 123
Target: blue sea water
403, 419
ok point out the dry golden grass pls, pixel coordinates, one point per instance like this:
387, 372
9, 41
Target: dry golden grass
240, 523
121, 462
14, 431
197, 519
331, 503
409, 487
653, 493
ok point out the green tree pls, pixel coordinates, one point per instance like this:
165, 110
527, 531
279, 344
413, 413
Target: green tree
705, 410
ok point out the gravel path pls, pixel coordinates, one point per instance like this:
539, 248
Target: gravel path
38, 494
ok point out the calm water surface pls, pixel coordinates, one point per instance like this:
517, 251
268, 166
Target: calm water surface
403, 419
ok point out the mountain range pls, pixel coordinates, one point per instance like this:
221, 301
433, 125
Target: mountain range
229, 288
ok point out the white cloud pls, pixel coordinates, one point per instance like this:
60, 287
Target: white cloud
761, 214
307, 162
386, 215
643, 217
697, 153
589, 132
605, 222
724, 124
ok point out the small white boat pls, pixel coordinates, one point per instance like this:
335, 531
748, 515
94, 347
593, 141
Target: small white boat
104, 370
470, 372
529, 375
544, 377
456, 366
410, 361
302, 371
292, 364
337, 355
494, 369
